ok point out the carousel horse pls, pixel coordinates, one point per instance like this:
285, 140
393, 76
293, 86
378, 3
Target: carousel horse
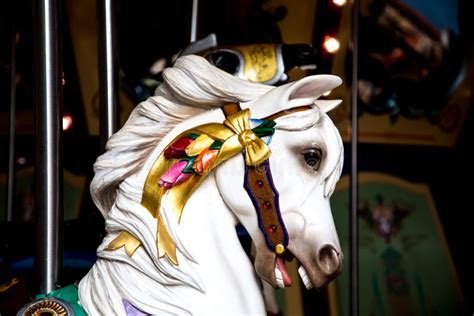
209, 151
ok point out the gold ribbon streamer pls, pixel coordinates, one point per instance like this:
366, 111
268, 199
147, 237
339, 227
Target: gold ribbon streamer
236, 135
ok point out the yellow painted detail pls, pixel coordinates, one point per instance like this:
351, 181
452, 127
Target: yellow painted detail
165, 245
6, 286
279, 249
260, 62
127, 240
198, 145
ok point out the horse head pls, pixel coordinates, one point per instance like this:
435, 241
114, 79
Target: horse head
306, 162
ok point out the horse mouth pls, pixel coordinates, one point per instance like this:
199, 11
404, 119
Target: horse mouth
328, 268
282, 277
305, 277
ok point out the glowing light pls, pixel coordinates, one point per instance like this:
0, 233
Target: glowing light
21, 161
327, 93
331, 44
67, 122
339, 3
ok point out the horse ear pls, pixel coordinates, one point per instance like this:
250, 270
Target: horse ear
302, 92
327, 105
305, 91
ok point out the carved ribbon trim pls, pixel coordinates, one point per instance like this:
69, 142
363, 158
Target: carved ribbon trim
235, 135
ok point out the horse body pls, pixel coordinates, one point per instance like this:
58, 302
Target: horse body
214, 275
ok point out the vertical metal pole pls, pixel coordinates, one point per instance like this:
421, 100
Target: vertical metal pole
48, 127
354, 275
12, 130
194, 20
108, 69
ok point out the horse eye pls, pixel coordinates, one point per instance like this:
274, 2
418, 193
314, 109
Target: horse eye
312, 157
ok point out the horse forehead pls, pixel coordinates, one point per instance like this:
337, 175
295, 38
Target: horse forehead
295, 141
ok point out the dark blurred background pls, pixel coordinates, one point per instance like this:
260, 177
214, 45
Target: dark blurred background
414, 102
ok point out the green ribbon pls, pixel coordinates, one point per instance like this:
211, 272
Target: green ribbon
267, 128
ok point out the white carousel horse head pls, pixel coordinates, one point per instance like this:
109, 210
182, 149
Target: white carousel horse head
174, 250
306, 163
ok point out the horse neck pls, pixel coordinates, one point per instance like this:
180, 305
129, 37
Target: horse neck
206, 218
207, 226
208, 230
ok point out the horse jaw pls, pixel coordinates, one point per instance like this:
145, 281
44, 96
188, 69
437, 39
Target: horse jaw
313, 243
304, 205
229, 179
312, 235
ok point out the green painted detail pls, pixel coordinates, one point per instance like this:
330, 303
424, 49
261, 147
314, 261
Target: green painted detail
217, 144
189, 167
192, 135
267, 128
68, 294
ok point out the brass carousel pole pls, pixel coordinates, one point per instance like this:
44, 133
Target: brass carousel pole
48, 127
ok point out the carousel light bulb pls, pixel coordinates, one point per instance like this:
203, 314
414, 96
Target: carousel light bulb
21, 161
339, 3
331, 44
67, 122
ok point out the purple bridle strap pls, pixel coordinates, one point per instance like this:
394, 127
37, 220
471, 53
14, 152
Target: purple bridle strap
258, 183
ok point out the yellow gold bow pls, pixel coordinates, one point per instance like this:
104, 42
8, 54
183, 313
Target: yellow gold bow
256, 151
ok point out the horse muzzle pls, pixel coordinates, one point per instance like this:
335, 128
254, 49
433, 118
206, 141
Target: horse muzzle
323, 269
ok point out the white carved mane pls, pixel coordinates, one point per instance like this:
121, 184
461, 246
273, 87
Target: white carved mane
191, 87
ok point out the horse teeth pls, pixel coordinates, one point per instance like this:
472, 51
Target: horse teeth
305, 278
279, 278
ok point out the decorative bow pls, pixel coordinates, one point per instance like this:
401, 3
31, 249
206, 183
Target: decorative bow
256, 151
185, 163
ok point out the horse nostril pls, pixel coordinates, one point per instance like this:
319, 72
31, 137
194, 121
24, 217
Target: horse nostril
329, 260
